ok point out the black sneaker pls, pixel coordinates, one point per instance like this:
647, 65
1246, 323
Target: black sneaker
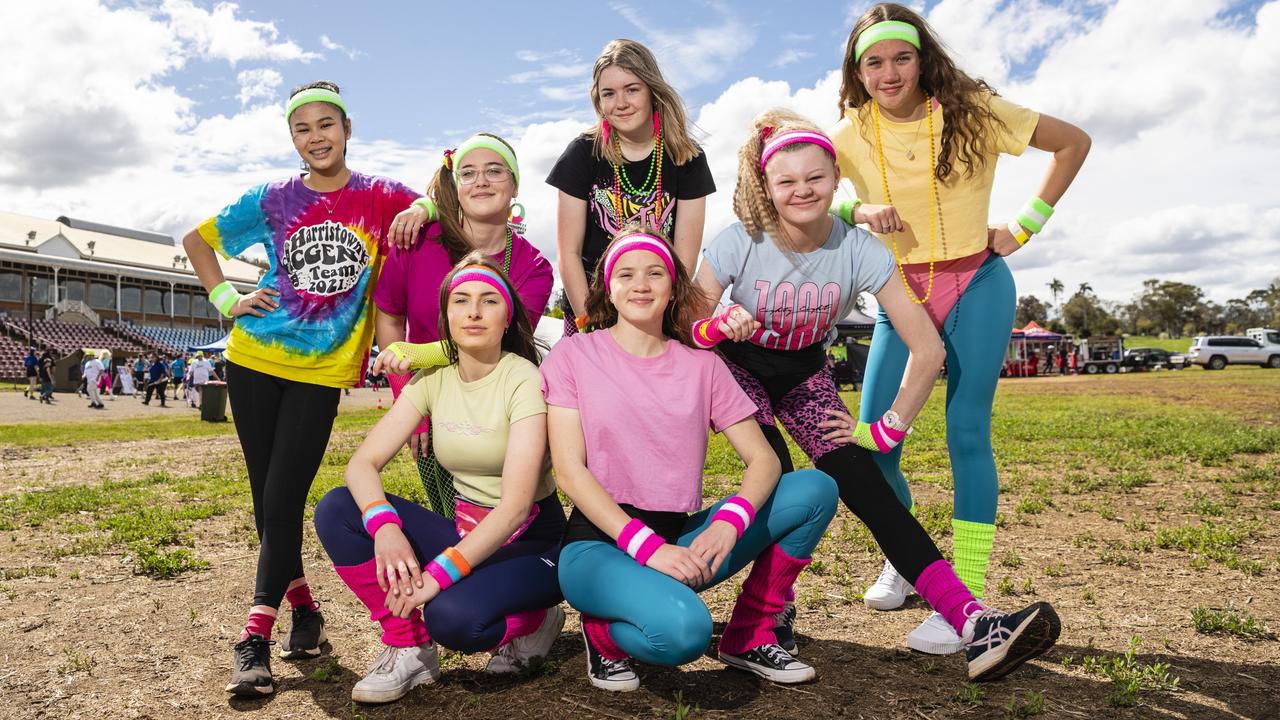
1000, 642
305, 635
770, 662
784, 624
251, 668
606, 674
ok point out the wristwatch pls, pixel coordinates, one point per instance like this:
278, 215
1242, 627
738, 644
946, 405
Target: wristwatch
892, 420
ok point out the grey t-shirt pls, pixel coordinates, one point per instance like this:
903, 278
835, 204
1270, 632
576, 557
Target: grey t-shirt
798, 299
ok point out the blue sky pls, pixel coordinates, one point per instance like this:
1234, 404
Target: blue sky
156, 113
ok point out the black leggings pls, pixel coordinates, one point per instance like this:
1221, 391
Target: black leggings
284, 428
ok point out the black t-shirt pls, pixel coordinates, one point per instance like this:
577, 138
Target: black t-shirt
668, 525
580, 174
45, 371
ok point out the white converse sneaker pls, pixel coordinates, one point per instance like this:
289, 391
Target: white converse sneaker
511, 657
396, 672
935, 636
889, 591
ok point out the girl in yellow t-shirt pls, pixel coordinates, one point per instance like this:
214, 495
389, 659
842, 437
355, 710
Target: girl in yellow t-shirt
919, 139
492, 583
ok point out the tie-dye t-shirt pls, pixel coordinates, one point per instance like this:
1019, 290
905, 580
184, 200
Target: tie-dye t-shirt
325, 251
581, 174
798, 298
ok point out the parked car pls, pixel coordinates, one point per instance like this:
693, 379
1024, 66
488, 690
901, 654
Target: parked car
1152, 358
1214, 352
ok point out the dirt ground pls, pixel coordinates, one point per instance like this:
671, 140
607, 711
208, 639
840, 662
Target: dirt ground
91, 639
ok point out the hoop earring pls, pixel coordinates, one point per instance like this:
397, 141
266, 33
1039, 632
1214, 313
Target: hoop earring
516, 220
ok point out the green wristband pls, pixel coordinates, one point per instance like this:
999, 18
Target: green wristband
224, 297
426, 203
843, 209
1035, 214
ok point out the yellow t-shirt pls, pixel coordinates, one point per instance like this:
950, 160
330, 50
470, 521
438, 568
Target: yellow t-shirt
470, 422
965, 201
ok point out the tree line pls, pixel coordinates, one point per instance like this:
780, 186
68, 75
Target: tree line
1162, 307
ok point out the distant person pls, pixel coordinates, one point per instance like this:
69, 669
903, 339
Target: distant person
29, 364
140, 371
201, 371
1062, 361
158, 379
177, 372
44, 373
92, 373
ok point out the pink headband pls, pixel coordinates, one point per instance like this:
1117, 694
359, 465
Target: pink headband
638, 241
480, 273
791, 138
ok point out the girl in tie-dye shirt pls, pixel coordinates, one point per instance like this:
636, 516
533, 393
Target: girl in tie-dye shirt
303, 334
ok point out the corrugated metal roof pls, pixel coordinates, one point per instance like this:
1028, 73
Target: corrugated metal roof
117, 252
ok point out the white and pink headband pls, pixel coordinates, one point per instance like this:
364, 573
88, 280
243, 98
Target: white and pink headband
638, 241
791, 137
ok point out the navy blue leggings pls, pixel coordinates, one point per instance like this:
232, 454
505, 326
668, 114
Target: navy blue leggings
470, 616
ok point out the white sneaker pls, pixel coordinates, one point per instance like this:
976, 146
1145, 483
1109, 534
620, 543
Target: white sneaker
511, 657
935, 636
889, 591
396, 672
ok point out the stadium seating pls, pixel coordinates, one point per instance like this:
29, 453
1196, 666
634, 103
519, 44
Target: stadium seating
169, 339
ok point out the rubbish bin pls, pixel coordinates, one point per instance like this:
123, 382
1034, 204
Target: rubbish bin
213, 401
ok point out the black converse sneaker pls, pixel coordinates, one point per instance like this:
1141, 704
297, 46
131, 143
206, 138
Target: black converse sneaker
305, 635
997, 643
606, 674
784, 624
770, 662
251, 668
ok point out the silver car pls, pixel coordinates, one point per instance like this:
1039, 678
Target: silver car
1214, 352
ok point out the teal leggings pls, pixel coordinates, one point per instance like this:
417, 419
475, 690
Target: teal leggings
661, 621
976, 335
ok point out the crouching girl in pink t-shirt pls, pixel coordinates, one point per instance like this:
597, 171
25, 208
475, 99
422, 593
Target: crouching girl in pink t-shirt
629, 405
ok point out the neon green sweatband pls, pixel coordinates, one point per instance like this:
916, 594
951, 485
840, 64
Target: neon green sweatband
311, 95
843, 209
476, 142
426, 203
224, 297
887, 30
420, 355
1035, 214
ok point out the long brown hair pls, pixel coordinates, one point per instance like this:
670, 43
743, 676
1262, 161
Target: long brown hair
681, 311
517, 338
751, 201
638, 60
965, 136
444, 191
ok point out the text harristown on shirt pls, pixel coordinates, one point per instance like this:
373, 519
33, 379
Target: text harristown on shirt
326, 259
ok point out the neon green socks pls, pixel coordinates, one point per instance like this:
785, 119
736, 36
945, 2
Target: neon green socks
972, 549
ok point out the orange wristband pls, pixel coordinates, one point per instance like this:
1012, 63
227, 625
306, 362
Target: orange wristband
366, 508
460, 562
580, 321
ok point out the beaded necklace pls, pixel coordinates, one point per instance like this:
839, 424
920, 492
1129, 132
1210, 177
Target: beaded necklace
652, 179
506, 255
935, 210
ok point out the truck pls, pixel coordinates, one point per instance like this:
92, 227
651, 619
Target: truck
1101, 353
1266, 336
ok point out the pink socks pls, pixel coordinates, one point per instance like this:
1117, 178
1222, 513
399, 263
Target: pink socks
522, 623
763, 594
300, 596
396, 632
597, 631
259, 624
939, 586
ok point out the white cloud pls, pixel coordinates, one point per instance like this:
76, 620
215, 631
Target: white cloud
790, 56
328, 44
695, 56
259, 83
219, 34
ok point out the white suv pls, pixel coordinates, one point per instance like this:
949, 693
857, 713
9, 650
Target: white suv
1214, 352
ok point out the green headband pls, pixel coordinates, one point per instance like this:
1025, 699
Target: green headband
887, 30
311, 95
476, 142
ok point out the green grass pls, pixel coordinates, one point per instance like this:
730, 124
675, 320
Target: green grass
1230, 621
1129, 676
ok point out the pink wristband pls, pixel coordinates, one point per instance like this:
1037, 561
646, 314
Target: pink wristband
886, 437
707, 333
737, 512
639, 541
439, 574
383, 518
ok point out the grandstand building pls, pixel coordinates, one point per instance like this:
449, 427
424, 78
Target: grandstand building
68, 284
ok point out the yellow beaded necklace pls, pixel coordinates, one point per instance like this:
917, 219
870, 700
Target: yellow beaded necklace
935, 209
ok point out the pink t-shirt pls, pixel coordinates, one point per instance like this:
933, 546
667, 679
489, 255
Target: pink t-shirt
644, 420
410, 282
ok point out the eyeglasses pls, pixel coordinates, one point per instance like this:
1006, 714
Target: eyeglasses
492, 173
